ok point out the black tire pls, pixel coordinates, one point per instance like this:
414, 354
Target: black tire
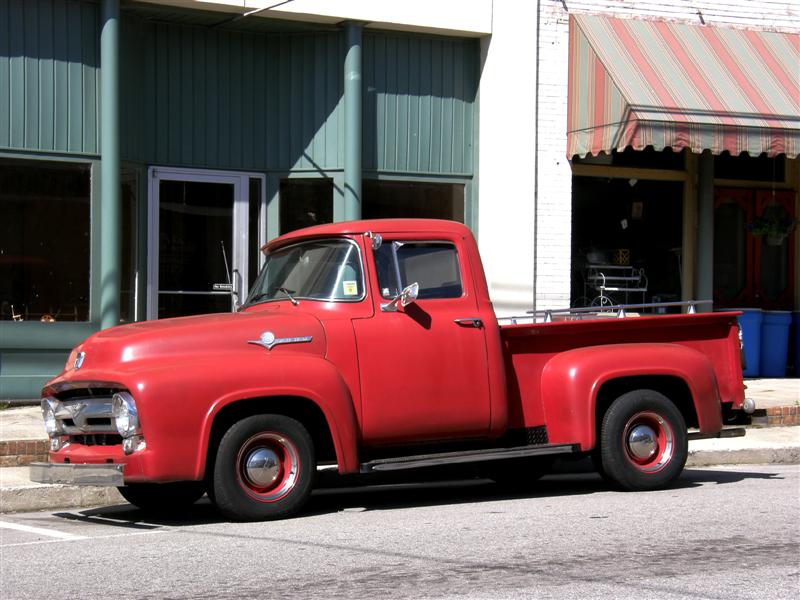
280, 477
643, 442
163, 498
519, 474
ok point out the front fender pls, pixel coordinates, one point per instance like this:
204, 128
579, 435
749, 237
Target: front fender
178, 401
309, 377
571, 381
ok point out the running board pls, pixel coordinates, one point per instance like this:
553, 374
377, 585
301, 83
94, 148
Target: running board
451, 458
731, 432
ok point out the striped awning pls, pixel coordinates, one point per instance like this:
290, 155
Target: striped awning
644, 83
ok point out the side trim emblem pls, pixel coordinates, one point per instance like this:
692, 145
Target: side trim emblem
268, 340
81, 356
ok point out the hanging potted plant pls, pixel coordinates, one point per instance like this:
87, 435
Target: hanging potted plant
774, 228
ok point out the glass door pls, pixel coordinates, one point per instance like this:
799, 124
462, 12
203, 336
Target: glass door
198, 248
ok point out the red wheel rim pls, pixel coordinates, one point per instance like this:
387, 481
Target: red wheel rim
649, 442
267, 466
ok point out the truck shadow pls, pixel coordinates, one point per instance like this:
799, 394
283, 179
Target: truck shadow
392, 492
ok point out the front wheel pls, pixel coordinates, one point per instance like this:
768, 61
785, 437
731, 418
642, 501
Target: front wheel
264, 469
643, 443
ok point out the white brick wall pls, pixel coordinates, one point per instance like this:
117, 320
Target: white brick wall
506, 156
510, 278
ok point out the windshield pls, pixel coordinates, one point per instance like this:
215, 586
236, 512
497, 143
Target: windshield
328, 270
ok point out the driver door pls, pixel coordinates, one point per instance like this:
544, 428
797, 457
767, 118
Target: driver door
423, 368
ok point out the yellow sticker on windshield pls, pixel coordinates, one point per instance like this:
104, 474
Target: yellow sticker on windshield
350, 288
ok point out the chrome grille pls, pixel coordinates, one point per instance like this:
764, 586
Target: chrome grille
86, 415
97, 439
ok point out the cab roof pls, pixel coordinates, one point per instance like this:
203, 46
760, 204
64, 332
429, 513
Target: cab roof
377, 225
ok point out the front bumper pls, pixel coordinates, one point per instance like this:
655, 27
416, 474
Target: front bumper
77, 474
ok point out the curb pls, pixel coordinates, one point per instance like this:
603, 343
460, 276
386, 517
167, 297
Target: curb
788, 455
33, 497
49, 497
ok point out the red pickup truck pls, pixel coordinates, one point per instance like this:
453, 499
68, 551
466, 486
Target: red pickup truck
373, 346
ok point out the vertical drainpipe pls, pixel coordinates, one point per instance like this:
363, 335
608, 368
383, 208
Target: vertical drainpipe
536, 157
110, 193
705, 229
352, 122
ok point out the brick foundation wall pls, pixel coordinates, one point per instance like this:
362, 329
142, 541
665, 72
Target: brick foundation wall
19, 453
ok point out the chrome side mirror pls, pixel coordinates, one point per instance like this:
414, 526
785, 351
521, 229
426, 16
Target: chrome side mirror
404, 298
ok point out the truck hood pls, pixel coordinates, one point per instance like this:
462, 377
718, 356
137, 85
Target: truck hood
265, 333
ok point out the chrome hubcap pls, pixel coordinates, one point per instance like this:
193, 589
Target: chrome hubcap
262, 467
648, 441
642, 442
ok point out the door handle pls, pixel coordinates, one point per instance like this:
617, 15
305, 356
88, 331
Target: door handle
469, 322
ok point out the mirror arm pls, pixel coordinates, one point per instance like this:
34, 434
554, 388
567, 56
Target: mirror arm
391, 306
404, 298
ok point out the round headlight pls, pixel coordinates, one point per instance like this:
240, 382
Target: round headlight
126, 419
51, 425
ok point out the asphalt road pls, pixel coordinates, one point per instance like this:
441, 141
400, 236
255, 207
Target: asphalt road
720, 533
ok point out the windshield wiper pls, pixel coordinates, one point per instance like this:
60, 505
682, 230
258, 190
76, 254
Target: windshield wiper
289, 294
271, 293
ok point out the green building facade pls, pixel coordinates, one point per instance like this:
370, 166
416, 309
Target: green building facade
146, 153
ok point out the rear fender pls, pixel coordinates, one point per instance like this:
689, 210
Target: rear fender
571, 381
310, 377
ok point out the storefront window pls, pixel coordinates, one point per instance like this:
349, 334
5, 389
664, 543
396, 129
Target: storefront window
750, 168
626, 241
411, 199
127, 292
640, 159
44, 241
305, 202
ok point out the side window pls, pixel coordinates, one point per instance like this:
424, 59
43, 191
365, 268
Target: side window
433, 265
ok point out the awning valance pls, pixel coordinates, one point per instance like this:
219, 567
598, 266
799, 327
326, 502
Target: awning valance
662, 84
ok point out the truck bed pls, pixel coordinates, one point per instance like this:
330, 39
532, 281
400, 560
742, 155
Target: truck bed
529, 347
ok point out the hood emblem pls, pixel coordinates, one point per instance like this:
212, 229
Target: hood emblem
81, 356
268, 340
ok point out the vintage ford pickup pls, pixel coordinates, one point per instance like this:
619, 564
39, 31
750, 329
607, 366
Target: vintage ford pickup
373, 346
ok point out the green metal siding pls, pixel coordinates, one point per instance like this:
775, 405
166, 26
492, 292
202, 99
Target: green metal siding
205, 97
49, 69
419, 101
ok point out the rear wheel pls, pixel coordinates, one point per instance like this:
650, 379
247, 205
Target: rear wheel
164, 498
643, 443
264, 469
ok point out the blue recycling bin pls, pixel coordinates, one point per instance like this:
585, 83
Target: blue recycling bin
750, 322
774, 342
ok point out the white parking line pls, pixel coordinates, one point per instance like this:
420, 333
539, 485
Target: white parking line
41, 531
80, 537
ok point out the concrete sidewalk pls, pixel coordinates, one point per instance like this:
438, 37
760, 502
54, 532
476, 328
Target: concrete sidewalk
769, 440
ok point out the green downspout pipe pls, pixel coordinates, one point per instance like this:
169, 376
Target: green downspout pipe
705, 230
352, 122
110, 192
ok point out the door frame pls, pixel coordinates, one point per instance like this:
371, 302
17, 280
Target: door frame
239, 253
